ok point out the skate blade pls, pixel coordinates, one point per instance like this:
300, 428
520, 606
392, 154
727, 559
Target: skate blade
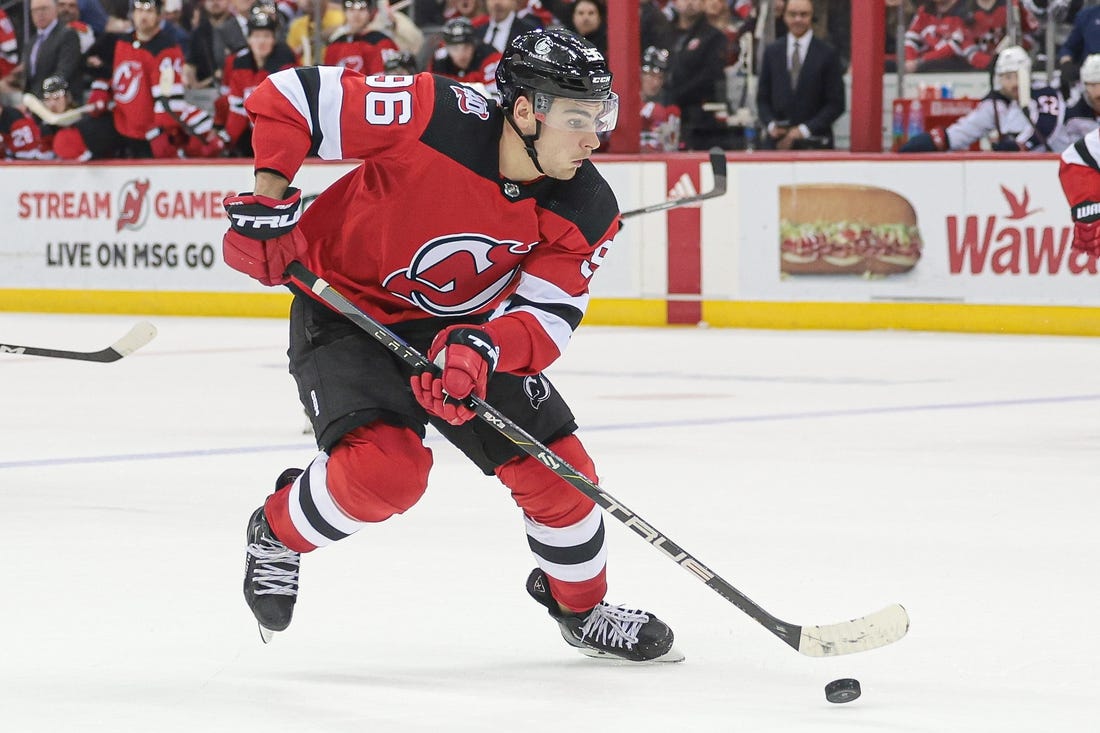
672, 656
266, 634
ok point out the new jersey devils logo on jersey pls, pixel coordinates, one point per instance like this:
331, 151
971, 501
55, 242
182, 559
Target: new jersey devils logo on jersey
126, 81
355, 63
470, 102
458, 273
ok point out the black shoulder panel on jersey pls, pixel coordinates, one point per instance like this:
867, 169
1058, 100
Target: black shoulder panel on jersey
375, 37
159, 42
8, 116
468, 135
281, 57
586, 200
244, 59
1082, 148
310, 78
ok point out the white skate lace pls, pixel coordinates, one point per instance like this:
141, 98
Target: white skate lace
268, 577
614, 626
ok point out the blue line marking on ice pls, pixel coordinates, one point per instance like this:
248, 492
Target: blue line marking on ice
681, 423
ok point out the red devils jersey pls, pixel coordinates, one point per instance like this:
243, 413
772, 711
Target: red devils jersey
241, 76
482, 70
135, 68
9, 45
987, 29
360, 53
932, 36
1080, 177
20, 136
426, 226
660, 127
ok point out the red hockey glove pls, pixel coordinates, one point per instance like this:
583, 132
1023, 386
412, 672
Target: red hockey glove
100, 99
1086, 227
262, 239
467, 357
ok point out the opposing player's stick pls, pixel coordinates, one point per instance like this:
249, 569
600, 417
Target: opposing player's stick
58, 119
868, 632
717, 165
141, 334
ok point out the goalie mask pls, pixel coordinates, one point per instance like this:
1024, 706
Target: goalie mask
1014, 60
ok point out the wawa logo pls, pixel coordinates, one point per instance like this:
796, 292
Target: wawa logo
1013, 243
133, 205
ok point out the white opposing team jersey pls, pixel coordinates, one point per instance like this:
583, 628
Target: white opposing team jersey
1032, 129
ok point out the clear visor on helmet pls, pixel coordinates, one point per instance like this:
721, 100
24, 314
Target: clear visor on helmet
577, 115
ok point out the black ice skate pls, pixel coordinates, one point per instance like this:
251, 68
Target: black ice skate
270, 571
608, 632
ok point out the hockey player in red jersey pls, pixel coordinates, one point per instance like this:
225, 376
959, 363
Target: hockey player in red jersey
465, 58
471, 230
660, 122
357, 47
131, 118
244, 71
1079, 173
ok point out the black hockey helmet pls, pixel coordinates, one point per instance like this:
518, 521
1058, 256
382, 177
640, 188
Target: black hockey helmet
558, 62
398, 62
655, 59
260, 18
156, 5
359, 4
458, 30
54, 85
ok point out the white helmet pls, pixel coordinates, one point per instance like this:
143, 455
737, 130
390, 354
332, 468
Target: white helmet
1090, 70
1012, 59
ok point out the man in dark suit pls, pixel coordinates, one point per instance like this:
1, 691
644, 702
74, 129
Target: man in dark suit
800, 93
504, 24
53, 49
696, 76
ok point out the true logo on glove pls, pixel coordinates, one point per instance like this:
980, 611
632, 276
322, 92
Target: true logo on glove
248, 221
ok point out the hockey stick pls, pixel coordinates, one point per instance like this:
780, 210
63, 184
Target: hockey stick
868, 632
717, 165
57, 119
141, 334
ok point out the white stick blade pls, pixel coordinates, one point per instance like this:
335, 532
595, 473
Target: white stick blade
39, 108
141, 334
858, 635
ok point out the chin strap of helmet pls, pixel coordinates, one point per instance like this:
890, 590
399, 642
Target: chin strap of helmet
528, 140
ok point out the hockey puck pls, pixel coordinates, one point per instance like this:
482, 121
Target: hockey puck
844, 690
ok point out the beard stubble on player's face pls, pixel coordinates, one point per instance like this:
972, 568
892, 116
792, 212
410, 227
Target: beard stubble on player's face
146, 22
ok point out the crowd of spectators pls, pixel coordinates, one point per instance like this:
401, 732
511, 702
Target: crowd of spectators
168, 78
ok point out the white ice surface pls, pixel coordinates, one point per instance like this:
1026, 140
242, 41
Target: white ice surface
825, 475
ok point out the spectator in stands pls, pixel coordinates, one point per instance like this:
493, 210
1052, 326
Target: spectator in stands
244, 71
800, 92
217, 37
986, 27
720, 15
504, 24
696, 75
1083, 40
301, 36
655, 27
474, 10
68, 12
1084, 116
359, 48
466, 58
52, 50
937, 37
589, 19
660, 122
170, 23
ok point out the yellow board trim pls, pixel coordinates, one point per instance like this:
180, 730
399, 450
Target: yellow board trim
958, 317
